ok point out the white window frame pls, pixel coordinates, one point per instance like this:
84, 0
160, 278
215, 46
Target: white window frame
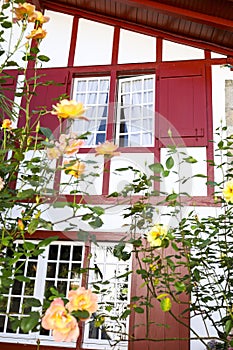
92, 109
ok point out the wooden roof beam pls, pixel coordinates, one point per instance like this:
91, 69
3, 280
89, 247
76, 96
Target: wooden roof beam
178, 11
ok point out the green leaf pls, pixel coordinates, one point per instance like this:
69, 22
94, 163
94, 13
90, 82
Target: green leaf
81, 314
190, 159
125, 314
32, 302
6, 24
11, 64
47, 241
98, 210
28, 245
32, 227
96, 223
180, 286
139, 310
43, 58
156, 167
166, 304
22, 278
169, 163
46, 132
228, 326
30, 322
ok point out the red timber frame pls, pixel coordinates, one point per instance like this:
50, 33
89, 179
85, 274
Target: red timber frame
200, 70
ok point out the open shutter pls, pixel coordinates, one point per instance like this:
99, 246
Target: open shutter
162, 324
181, 103
8, 81
52, 84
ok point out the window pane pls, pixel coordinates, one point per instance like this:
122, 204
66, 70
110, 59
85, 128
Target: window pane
94, 43
93, 93
135, 47
135, 114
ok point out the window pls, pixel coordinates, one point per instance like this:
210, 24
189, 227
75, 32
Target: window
135, 112
93, 93
58, 266
134, 109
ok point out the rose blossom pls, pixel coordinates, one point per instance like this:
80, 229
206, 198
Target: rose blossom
38, 33
69, 109
76, 169
64, 326
107, 149
82, 299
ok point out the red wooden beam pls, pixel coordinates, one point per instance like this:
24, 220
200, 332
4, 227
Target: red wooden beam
195, 16
141, 28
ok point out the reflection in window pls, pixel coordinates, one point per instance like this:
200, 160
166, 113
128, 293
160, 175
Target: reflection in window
116, 297
93, 93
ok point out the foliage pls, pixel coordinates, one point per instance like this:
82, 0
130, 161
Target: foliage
187, 264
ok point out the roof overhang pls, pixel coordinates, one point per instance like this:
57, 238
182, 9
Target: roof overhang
204, 24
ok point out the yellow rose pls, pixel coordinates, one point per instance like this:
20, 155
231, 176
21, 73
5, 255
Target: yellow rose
69, 109
228, 191
82, 299
53, 153
107, 149
38, 33
38, 17
23, 10
76, 169
64, 326
7, 124
156, 235
73, 147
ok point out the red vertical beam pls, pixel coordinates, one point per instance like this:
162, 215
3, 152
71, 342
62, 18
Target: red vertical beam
73, 41
159, 50
111, 109
209, 111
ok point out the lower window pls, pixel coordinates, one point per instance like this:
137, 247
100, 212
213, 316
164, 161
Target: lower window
59, 266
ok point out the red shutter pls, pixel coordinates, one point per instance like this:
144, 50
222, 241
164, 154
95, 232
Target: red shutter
8, 81
181, 103
162, 324
46, 95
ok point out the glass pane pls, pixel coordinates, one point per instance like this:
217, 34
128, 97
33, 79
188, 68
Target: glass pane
55, 30
62, 287
65, 252
15, 305
51, 270
31, 269
2, 323
29, 288
94, 43
77, 253
135, 47
17, 288
53, 250
63, 270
